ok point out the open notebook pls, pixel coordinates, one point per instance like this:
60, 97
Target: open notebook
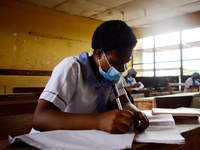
93, 139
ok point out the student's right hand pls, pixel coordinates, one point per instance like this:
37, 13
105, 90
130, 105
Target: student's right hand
115, 121
136, 85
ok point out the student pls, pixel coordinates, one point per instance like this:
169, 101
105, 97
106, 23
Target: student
129, 82
76, 94
192, 81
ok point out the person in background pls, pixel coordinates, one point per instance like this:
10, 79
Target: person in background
192, 81
76, 95
129, 81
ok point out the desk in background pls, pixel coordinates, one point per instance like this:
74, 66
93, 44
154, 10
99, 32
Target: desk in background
193, 90
165, 101
146, 92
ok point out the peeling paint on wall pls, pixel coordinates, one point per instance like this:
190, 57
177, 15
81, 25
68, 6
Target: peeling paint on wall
14, 34
21, 50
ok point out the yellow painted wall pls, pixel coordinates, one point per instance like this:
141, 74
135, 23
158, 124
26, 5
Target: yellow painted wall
55, 36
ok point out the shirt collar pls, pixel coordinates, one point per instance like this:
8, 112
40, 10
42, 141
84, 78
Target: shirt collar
88, 73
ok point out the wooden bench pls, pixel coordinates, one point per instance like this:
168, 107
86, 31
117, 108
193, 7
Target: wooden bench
171, 86
16, 114
18, 96
10, 108
15, 125
28, 89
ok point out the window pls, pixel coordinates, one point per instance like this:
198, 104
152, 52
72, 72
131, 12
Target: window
171, 52
191, 51
167, 54
143, 57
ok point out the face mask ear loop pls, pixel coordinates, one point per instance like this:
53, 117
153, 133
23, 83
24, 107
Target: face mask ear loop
99, 62
107, 60
125, 67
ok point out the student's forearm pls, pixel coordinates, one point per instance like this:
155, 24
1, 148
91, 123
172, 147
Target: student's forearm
48, 117
54, 120
133, 86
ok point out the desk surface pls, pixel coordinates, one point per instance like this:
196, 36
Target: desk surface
189, 129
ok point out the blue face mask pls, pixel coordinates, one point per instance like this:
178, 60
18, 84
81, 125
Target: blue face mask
112, 74
130, 79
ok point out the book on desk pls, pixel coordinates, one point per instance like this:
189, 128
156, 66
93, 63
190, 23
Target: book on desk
178, 113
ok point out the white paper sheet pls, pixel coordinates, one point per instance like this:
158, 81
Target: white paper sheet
77, 140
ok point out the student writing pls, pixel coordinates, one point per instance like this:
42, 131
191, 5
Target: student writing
76, 95
192, 82
129, 82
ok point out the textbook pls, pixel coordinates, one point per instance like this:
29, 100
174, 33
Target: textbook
178, 113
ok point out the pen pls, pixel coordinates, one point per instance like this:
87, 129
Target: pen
116, 93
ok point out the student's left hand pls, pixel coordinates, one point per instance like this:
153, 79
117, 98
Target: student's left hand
140, 121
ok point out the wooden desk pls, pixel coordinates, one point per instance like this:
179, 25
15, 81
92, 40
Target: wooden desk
193, 90
145, 91
145, 103
190, 130
165, 101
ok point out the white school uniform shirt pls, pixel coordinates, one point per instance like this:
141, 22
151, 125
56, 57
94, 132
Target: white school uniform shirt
189, 82
70, 92
127, 83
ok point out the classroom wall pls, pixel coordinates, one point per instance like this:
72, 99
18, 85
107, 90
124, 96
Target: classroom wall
35, 39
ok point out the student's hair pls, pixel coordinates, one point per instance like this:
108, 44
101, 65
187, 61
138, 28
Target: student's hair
113, 34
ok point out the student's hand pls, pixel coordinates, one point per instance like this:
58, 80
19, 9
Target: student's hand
115, 121
140, 121
136, 85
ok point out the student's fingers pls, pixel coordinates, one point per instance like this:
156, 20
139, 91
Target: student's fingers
123, 128
136, 122
127, 114
144, 121
115, 121
124, 121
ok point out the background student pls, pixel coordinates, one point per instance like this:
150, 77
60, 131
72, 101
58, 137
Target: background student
192, 81
76, 95
129, 82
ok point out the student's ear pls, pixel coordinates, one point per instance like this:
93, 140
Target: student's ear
98, 53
